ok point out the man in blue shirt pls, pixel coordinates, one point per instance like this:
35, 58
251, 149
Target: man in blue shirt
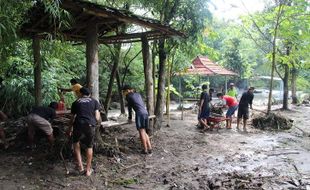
135, 102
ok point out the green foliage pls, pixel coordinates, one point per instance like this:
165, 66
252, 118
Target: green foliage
60, 62
232, 58
174, 91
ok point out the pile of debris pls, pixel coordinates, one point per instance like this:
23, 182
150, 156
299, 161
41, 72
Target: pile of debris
272, 121
234, 181
17, 136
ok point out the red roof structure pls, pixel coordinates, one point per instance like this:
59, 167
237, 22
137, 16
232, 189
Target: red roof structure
202, 65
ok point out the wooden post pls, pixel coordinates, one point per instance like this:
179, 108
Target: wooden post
148, 76
92, 60
225, 84
37, 71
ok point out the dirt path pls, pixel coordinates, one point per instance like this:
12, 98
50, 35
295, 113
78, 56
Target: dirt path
183, 158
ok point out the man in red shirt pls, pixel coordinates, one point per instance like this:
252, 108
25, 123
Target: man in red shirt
232, 104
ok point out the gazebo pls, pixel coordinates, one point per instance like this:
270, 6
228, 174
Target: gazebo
202, 65
92, 24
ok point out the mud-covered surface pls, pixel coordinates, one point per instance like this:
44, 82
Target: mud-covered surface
183, 158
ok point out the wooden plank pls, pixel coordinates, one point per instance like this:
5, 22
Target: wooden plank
113, 124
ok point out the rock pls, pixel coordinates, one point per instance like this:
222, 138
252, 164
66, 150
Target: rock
115, 105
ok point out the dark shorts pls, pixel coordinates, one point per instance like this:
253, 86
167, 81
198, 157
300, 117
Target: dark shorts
85, 129
142, 121
243, 112
205, 114
231, 110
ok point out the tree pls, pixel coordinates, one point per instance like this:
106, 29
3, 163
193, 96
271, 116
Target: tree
188, 16
276, 27
232, 58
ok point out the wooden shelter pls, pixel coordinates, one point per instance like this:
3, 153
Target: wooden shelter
202, 65
92, 24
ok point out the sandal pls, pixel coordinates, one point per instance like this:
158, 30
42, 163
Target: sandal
143, 151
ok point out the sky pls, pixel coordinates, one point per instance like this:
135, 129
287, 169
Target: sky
232, 9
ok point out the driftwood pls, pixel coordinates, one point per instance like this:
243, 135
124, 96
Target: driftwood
283, 153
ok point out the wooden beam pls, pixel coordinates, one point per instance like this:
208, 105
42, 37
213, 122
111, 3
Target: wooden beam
127, 19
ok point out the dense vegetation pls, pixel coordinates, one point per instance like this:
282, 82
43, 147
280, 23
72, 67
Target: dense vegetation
278, 37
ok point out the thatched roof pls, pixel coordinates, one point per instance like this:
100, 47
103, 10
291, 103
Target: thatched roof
108, 20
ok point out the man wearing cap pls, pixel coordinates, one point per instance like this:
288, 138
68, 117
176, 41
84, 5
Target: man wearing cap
243, 110
39, 118
232, 90
85, 116
135, 102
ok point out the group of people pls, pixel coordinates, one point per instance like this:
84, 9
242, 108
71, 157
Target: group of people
85, 117
231, 102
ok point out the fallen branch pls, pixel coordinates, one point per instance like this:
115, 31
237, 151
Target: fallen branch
303, 132
283, 153
130, 166
56, 183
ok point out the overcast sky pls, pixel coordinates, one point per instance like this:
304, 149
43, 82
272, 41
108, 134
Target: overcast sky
232, 9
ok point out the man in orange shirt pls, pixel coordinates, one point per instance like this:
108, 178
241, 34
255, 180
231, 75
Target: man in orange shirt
75, 87
232, 104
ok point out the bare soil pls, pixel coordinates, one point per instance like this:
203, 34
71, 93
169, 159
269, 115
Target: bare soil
183, 158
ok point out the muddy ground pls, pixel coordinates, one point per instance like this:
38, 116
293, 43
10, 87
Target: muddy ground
183, 158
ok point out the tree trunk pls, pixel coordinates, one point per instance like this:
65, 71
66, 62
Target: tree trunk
119, 87
92, 78
168, 93
148, 77
37, 71
285, 80
285, 85
294, 73
161, 85
168, 89
112, 77
273, 65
